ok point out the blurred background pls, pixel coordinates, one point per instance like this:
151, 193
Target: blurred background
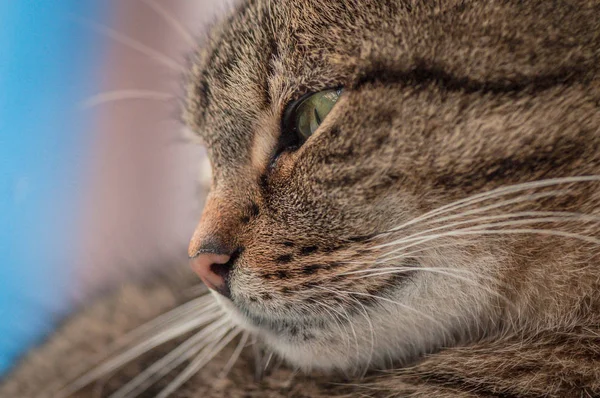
97, 182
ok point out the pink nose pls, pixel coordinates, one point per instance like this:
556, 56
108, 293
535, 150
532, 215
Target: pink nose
213, 270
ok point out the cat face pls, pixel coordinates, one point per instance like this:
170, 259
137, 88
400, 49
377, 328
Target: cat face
373, 240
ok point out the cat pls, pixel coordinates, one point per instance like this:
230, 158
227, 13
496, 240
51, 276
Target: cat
404, 203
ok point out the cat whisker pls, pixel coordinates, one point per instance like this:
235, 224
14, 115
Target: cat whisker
171, 20
360, 265
328, 309
122, 95
191, 309
365, 313
486, 218
258, 354
404, 269
503, 203
534, 217
372, 335
131, 43
353, 330
346, 316
412, 253
480, 197
268, 361
371, 329
235, 356
421, 237
176, 329
347, 294
451, 272
199, 362
523, 231
166, 364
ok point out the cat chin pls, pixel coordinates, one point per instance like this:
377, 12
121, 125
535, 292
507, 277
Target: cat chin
331, 351
349, 350
412, 320
316, 353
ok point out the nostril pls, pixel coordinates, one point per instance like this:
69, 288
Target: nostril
215, 269
224, 269
221, 270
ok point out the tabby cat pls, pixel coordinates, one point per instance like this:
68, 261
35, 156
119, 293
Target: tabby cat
405, 203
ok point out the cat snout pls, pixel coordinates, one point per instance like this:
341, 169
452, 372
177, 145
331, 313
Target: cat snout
214, 247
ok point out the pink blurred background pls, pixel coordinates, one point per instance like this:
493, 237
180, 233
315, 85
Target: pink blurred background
147, 183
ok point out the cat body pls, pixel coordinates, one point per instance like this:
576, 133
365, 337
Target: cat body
437, 235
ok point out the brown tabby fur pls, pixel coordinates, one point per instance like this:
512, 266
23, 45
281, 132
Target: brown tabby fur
442, 100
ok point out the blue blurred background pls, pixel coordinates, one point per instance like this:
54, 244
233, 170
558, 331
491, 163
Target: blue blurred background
88, 198
46, 66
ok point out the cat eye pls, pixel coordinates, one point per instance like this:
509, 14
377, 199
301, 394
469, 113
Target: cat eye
304, 116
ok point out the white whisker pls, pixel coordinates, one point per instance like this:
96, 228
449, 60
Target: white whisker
159, 338
503, 203
524, 231
131, 43
404, 269
422, 236
200, 304
122, 95
496, 193
196, 290
329, 309
482, 209
372, 335
235, 356
166, 364
171, 20
202, 359
268, 361
451, 272
407, 307
258, 354
371, 329
353, 330
193, 308
405, 255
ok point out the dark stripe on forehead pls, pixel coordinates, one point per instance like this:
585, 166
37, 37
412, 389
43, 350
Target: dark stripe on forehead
426, 72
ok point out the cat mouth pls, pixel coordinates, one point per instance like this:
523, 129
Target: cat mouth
319, 315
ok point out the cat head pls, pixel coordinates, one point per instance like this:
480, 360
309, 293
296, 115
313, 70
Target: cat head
389, 179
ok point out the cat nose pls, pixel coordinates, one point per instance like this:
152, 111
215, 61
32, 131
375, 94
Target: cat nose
212, 247
212, 266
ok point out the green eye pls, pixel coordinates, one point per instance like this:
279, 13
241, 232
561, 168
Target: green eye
313, 110
304, 116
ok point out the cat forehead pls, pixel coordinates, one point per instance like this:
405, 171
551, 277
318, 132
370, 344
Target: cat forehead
259, 59
226, 81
